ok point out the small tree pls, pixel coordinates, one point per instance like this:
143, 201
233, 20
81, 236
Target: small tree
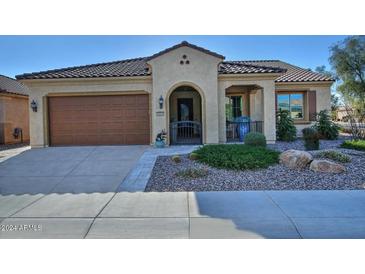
325, 127
357, 126
285, 129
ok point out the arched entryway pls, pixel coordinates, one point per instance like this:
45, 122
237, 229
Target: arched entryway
185, 116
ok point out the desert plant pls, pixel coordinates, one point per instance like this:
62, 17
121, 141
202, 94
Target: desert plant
325, 127
354, 144
334, 155
255, 139
238, 157
311, 138
192, 173
285, 129
176, 158
193, 156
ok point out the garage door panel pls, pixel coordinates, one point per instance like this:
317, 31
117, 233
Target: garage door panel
86, 139
99, 120
135, 139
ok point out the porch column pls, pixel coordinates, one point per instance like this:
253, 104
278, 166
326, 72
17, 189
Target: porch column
222, 114
269, 115
211, 118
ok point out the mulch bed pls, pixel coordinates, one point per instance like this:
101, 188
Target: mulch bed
276, 177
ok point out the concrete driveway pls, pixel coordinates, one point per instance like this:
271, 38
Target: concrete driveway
71, 185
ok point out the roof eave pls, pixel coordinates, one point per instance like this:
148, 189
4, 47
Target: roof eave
76, 79
321, 83
269, 75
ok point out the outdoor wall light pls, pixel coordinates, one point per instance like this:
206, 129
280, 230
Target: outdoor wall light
160, 101
34, 106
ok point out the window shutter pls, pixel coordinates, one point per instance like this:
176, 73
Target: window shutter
312, 105
276, 102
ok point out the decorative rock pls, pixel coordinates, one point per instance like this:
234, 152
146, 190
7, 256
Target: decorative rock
295, 159
326, 166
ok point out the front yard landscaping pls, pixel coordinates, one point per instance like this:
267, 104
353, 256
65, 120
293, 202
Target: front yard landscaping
242, 167
354, 144
238, 157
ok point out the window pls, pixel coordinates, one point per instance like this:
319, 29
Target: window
233, 107
292, 102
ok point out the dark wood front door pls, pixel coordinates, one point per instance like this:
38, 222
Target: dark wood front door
185, 109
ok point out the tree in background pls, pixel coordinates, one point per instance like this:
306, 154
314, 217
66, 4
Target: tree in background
348, 62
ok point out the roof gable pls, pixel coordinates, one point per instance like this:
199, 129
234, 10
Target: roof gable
186, 44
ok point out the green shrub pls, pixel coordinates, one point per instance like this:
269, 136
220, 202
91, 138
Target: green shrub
192, 173
176, 158
325, 127
238, 157
354, 144
311, 138
193, 156
255, 139
334, 155
285, 129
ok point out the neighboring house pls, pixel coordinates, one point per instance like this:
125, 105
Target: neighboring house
188, 91
343, 114
14, 115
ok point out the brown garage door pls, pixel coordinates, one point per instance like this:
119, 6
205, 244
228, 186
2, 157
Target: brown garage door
99, 120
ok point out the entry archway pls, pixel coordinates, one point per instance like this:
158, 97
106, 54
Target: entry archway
185, 116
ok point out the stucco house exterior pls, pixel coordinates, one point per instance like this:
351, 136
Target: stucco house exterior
14, 111
190, 92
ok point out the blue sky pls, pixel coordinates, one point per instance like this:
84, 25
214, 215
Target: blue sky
20, 54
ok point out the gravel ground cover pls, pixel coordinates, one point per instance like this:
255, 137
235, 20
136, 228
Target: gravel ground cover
11, 146
276, 177
299, 145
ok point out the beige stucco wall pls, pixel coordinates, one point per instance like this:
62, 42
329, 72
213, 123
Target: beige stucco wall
201, 73
256, 105
39, 89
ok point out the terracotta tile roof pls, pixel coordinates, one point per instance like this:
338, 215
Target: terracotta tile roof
293, 73
123, 68
12, 86
139, 67
241, 68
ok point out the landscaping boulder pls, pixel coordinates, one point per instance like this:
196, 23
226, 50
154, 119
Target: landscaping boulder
295, 159
326, 166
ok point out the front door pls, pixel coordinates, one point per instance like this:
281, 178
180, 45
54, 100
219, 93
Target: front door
185, 130
185, 109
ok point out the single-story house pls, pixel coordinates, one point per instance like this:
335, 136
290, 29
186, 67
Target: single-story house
14, 111
189, 92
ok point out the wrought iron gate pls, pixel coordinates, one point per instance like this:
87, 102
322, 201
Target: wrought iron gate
185, 132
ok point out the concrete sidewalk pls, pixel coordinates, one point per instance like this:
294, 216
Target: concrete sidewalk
251, 214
